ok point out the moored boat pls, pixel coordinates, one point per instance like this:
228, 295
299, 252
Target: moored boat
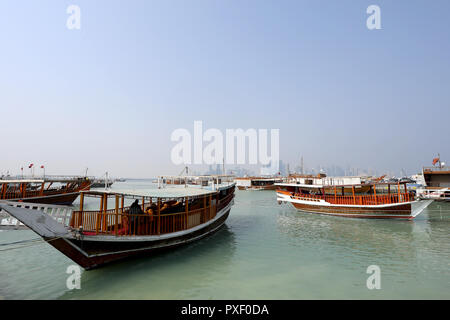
381, 200
437, 182
49, 190
257, 183
158, 219
101, 183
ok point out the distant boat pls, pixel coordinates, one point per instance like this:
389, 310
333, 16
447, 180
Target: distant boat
101, 183
368, 200
163, 218
49, 190
257, 183
437, 180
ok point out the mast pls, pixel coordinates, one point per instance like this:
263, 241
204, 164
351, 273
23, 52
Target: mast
301, 164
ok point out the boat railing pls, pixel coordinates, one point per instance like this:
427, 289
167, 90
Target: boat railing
436, 169
367, 199
224, 202
119, 222
61, 214
17, 192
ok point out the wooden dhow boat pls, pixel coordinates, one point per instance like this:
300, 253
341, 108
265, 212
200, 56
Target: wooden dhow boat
168, 217
437, 182
49, 190
381, 200
257, 183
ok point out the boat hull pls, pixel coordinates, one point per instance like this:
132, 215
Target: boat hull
57, 199
93, 253
398, 212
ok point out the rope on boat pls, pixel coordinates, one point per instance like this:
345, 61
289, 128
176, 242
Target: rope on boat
25, 243
17, 242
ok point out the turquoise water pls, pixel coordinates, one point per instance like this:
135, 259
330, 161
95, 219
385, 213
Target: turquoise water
265, 251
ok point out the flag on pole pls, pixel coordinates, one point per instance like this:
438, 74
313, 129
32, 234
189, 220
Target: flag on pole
42, 167
435, 160
31, 165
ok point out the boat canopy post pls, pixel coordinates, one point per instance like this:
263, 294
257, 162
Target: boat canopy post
204, 210
116, 227
159, 216
23, 189
105, 217
210, 206
353, 191
375, 193
4, 185
186, 202
81, 201
406, 192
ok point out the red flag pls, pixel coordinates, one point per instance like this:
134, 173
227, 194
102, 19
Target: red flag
435, 160
42, 167
29, 167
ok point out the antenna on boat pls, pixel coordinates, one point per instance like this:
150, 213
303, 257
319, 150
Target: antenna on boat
301, 164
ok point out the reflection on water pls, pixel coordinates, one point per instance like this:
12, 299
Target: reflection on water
265, 251
184, 272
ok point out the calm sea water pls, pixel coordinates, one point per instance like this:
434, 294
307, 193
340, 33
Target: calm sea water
265, 251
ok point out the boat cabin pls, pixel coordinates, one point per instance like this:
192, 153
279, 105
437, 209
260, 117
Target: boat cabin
159, 211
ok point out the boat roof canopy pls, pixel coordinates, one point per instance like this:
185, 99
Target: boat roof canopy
319, 186
45, 179
172, 192
204, 177
259, 178
22, 181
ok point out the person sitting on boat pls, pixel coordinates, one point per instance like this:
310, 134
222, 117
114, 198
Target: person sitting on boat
135, 209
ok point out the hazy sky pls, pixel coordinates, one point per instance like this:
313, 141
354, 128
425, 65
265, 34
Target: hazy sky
108, 96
